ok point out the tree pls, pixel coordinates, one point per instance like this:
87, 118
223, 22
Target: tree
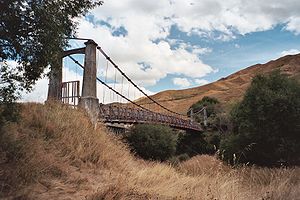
212, 109
266, 123
155, 142
208, 102
34, 32
193, 144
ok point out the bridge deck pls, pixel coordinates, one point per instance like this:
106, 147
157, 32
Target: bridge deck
115, 114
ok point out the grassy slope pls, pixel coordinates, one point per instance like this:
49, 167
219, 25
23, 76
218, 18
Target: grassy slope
55, 153
227, 90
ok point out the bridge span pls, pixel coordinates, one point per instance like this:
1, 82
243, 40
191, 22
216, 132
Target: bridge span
115, 114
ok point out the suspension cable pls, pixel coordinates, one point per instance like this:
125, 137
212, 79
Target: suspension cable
102, 82
123, 74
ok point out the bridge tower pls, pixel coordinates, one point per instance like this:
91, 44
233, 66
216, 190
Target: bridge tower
88, 100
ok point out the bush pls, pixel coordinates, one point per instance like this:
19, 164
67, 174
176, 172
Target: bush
9, 112
211, 105
266, 123
213, 138
193, 144
217, 118
154, 142
175, 160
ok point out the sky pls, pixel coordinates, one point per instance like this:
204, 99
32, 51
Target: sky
178, 44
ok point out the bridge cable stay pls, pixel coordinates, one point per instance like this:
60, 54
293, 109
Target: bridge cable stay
110, 92
128, 90
105, 80
122, 82
199, 111
123, 74
115, 84
109, 87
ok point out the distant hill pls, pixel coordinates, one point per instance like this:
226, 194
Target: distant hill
226, 90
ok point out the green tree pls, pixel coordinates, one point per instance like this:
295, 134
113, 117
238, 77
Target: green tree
193, 144
209, 102
33, 33
155, 142
266, 123
213, 110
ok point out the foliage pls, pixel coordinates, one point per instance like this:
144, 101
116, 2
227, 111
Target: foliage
10, 83
176, 160
155, 142
9, 110
217, 125
33, 33
193, 144
216, 117
266, 124
213, 138
208, 102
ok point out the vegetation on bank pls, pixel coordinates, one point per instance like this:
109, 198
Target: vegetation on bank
153, 142
266, 124
262, 129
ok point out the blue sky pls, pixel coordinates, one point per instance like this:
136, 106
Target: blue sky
177, 44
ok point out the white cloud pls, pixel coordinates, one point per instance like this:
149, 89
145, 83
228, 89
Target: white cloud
138, 47
201, 81
290, 52
200, 16
294, 25
182, 82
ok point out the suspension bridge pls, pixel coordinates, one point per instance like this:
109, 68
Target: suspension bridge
122, 109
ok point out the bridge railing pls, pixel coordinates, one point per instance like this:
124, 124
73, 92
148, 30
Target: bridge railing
112, 113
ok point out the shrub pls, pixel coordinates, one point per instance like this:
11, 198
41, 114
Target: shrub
213, 138
217, 118
9, 112
154, 142
193, 144
211, 105
266, 123
175, 160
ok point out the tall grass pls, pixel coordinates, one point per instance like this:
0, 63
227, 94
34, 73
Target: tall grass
54, 152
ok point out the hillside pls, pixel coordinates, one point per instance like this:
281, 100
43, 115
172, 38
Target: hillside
227, 90
54, 152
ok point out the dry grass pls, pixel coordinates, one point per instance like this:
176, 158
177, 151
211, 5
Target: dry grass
55, 153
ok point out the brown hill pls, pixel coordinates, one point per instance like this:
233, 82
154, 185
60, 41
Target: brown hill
226, 90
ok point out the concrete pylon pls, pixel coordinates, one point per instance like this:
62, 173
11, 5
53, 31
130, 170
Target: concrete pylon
55, 80
88, 100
